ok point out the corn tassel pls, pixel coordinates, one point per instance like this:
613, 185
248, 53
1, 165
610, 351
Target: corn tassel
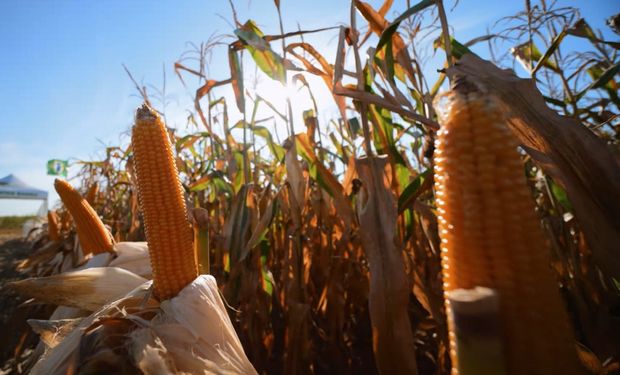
168, 232
53, 230
491, 237
92, 234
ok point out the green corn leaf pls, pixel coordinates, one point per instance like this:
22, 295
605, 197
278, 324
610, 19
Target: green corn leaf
267, 60
411, 191
236, 76
391, 29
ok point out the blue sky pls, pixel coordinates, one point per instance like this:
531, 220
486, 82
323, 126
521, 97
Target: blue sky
65, 95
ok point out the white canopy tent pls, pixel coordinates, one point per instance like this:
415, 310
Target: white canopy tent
12, 187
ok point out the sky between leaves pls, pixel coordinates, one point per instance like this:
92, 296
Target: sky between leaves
65, 95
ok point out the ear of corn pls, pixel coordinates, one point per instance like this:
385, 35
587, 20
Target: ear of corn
53, 230
490, 236
168, 232
92, 234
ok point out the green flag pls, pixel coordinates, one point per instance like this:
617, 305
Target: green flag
56, 167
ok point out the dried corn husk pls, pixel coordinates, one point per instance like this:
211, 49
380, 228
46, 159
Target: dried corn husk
193, 333
52, 332
87, 289
134, 257
190, 333
62, 358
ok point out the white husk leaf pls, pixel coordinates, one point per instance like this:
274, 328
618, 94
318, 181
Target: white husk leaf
57, 360
195, 332
87, 289
99, 260
134, 257
191, 334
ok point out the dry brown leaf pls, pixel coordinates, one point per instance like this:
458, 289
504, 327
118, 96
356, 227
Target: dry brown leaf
377, 24
389, 288
53, 331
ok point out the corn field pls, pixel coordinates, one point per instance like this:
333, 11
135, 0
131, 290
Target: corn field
340, 245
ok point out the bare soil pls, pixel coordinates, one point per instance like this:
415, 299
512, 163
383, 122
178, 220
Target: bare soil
13, 249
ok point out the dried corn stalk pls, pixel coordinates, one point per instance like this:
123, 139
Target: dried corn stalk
388, 297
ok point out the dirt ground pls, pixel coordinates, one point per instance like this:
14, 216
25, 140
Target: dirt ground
13, 249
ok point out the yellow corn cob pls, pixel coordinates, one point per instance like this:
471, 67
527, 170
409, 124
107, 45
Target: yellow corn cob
93, 235
53, 231
491, 237
168, 232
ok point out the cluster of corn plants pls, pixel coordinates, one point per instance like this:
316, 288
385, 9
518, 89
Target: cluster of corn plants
333, 247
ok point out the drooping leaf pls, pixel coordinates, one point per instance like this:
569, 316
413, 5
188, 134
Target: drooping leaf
236, 76
200, 184
603, 79
276, 150
555, 44
324, 70
411, 192
528, 54
325, 178
458, 49
259, 231
267, 60
582, 29
391, 29
378, 24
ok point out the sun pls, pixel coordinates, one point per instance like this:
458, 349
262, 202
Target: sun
277, 93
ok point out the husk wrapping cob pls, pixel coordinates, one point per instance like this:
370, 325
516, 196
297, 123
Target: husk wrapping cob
490, 236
